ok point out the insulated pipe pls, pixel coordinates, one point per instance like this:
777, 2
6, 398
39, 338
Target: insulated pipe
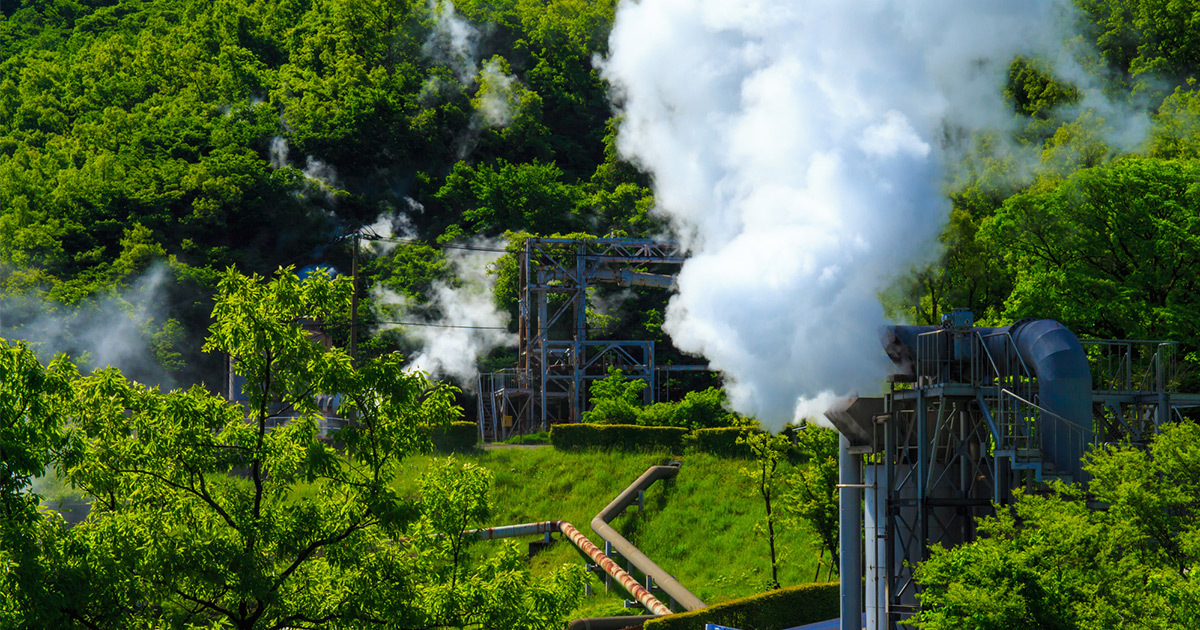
850, 535
1051, 352
627, 581
601, 526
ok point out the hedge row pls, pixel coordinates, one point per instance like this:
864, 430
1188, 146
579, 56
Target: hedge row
625, 437
721, 441
635, 437
455, 437
773, 610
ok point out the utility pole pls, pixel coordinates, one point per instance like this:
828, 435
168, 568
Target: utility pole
354, 300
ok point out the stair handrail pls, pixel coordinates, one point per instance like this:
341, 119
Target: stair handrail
1075, 432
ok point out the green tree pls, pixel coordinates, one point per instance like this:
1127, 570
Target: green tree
812, 497
615, 399
211, 514
1122, 554
1110, 251
769, 451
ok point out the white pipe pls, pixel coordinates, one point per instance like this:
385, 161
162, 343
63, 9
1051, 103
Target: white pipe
850, 535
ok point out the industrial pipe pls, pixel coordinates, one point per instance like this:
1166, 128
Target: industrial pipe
601, 526
850, 481
1051, 352
627, 581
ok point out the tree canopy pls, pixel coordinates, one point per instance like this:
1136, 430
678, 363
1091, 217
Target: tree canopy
206, 513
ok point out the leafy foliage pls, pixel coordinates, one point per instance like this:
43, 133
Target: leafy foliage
811, 495
1053, 562
198, 517
769, 450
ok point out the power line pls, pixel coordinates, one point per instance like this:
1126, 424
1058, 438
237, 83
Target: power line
435, 325
413, 241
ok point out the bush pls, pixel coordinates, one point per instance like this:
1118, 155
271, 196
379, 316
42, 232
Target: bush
722, 441
539, 437
773, 610
625, 437
704, 409
615, 400
455, 437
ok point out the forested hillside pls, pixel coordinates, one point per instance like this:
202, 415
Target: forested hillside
257, 133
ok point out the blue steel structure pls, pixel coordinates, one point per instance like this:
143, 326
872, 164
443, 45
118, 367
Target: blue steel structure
557, 361
969, 415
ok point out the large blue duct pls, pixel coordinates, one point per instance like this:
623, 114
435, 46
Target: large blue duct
1048, 350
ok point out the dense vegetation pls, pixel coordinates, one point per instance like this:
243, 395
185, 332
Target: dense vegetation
172, 139
1122, 555
210, 514
255, 133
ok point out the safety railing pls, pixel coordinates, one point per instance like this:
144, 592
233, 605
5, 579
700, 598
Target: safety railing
1133, 365
1050, 434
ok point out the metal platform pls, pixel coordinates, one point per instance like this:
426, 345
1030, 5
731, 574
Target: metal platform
557, 362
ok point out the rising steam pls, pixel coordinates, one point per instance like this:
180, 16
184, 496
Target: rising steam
453, 41
112, 331
798, 149
460, 323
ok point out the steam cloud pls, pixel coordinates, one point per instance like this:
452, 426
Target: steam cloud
460, 323
499, 100
110, 332
453, 41
798, 151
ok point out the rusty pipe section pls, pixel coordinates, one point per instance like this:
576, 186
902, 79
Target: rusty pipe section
610, 567
601, 526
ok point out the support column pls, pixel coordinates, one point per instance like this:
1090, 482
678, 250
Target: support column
850, 535
875, 534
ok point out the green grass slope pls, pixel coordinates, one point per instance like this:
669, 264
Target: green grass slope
700, 526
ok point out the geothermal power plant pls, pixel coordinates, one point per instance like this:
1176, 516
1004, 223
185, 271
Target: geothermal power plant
967, 415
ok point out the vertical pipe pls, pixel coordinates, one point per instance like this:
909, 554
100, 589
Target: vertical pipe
890, 494
579, 393
354, 300
850, 535
875, 531
542, 335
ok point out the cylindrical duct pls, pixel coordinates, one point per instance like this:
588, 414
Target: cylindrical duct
850, 535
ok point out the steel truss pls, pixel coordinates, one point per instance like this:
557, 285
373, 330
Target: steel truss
556, 361
959, 438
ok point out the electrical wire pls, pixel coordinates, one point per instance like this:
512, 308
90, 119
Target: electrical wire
436, 325
413, 241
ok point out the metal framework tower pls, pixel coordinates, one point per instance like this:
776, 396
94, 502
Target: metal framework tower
557, 361
971, 414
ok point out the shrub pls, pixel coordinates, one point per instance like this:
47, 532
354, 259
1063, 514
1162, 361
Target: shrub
773, 610
538, 437
455, 437
704, 409
625, 437
615, 400
722, 441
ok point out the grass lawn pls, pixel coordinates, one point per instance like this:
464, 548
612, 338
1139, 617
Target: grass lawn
700, 526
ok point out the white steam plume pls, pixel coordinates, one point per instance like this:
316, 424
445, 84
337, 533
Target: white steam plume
797, 149
498, 101
110, 332
453, 40
390, 225
279, 152
467, 324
